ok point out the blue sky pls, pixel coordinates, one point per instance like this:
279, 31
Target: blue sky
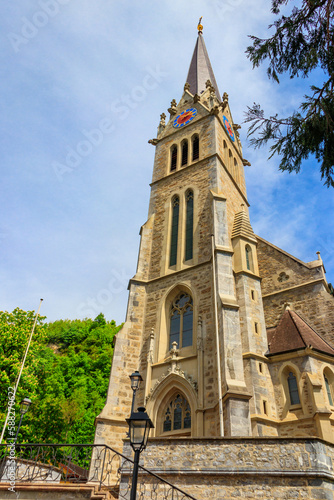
83, 87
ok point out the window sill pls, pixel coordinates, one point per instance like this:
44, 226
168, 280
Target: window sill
178, 433
295, 407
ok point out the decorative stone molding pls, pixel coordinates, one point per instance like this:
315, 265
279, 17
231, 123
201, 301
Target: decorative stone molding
151, 348
176, 370
172, 109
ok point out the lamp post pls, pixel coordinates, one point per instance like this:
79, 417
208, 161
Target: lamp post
135, 378
139, 429
24, 407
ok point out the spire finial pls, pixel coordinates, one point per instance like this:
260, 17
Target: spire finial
199, 26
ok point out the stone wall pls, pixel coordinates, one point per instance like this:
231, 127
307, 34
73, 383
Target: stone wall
247, 468
303, 286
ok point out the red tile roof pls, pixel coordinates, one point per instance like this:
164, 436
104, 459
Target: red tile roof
291, 333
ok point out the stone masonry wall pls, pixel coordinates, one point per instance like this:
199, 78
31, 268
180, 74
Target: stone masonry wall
279, 272
250, 468
312, 302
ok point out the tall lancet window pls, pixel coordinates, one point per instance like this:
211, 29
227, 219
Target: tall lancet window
249, 258
195, 144
184, 158
328, 390
181, 321
175, 230
293, 389
189, 224
173, 158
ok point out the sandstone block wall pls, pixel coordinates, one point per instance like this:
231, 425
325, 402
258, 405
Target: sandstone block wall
247, 468
301, 286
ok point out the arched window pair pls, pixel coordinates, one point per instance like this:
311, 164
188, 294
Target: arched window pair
184, 153
177, 416
189, 199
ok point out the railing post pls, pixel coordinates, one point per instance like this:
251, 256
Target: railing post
104, 459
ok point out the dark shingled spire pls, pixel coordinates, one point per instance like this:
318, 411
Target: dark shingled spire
200, 69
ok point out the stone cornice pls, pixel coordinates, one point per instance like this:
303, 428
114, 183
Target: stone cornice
203, 160
299, 353
249, 274
253, 355
135, 281
294, 287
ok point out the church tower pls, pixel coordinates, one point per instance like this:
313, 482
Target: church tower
195, 323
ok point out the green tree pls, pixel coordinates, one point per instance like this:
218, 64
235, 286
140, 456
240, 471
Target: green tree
302, 44
66, 374
15, 330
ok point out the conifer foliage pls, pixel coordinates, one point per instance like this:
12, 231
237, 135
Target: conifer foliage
302, 43
66, 374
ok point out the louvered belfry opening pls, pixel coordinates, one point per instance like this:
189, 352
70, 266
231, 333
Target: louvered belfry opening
195, 148
184, 159
173, 162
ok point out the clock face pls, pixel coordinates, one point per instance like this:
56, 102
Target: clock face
184, 118
228, 128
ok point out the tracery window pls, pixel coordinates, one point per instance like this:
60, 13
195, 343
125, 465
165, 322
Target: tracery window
293, 389
184, 158
175, 230
177, 415
189, 224
181, 321
173, 159
195, 144
328, 390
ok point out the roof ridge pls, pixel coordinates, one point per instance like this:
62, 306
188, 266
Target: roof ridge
311, 327
293, 320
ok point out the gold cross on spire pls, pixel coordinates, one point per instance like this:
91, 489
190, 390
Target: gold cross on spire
199, 26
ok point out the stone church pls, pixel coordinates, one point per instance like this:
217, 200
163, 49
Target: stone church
232, 336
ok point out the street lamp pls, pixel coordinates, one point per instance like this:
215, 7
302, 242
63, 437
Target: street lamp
24, 407
135, 378
139, 429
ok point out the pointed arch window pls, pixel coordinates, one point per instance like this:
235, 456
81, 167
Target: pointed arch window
177, 415
195, 148
293, 389
184, 158
181, 321
249, 258
173, 158
175, 230
189, 224
328, 390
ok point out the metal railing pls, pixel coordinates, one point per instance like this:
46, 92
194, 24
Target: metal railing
90, 464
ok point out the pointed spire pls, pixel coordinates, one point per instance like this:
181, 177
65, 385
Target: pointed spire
200, 70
